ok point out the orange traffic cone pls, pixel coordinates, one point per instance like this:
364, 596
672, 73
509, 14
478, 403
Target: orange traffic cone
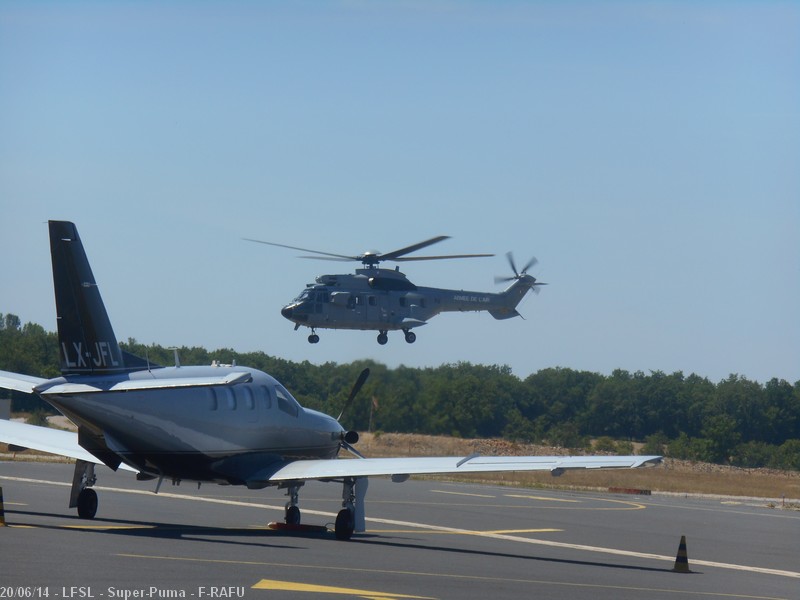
682, 559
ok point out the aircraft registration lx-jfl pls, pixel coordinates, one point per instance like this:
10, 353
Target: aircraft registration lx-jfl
230, 425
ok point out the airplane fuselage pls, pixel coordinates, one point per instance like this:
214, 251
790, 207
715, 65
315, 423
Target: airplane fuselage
201, 433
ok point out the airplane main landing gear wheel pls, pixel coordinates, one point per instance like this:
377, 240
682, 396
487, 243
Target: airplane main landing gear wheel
292, 515
345, 524
383, 338
87, 503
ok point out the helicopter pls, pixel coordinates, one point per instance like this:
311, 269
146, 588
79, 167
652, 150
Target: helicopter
383, 300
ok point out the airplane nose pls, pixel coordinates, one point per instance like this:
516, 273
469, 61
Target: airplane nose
286, 311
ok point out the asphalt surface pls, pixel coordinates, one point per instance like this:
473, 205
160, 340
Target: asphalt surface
425, 539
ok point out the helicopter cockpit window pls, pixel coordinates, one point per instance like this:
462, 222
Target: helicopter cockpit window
304, 295
285, 401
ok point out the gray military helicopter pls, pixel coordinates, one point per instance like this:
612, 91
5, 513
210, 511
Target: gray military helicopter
385, 300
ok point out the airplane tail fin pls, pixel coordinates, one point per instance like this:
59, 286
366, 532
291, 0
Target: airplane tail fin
87, 344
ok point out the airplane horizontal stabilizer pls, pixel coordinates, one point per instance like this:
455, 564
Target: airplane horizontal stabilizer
19, 383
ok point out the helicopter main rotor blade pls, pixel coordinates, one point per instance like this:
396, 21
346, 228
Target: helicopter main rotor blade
337, 256
407, 258
397, 253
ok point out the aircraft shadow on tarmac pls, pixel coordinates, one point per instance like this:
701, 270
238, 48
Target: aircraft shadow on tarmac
565, 561
223, 535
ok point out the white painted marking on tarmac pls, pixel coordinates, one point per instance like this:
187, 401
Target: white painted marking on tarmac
463, 494
407, 524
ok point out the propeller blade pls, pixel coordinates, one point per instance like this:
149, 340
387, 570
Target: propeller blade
351, 450
499, 279
356, 388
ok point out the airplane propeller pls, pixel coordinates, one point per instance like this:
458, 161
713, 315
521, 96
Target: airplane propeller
351, 437
520, 274
372, 258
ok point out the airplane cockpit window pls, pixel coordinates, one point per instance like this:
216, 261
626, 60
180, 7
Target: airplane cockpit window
286, 402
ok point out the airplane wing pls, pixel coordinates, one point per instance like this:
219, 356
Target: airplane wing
18, 382
45, 439
400, 467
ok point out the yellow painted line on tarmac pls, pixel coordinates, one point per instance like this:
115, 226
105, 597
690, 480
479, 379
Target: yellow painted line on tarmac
463, 494
291, 586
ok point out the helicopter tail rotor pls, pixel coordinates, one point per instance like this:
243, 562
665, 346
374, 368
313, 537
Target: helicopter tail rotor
521, 275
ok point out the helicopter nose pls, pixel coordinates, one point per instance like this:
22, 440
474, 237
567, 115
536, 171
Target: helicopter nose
286, 311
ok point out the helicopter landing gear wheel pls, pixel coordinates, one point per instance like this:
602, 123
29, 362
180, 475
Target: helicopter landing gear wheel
345, 524
383, 338
411, 337
313, 338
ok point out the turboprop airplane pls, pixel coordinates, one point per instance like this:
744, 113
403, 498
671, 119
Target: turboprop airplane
221, 424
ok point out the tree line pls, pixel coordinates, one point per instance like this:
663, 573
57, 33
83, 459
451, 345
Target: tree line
735, 421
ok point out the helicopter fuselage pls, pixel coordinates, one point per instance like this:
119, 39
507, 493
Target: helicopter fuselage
385, 300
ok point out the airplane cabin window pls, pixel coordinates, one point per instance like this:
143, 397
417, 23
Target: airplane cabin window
225, 395
249, 402
264, 396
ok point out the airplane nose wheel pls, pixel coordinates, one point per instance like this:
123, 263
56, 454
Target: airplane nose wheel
292, 511
383, 338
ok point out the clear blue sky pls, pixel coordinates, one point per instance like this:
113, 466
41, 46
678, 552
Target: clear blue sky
648, 153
